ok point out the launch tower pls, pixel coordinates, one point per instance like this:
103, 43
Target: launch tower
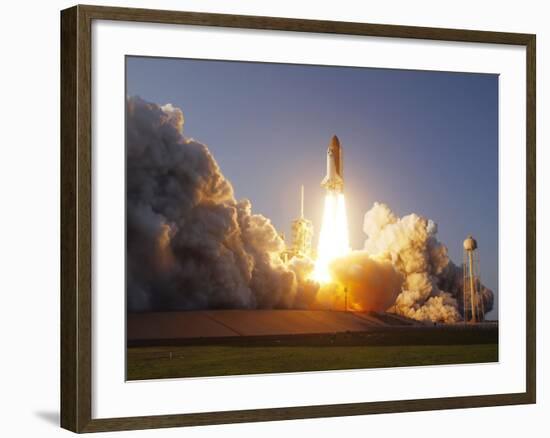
302, 233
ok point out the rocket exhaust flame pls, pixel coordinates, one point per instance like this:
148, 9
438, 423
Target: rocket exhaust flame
334, 237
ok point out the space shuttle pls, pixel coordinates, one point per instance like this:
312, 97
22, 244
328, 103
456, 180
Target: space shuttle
334, 179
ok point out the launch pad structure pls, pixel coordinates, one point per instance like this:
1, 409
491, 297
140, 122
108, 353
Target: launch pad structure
302, 236
302, 233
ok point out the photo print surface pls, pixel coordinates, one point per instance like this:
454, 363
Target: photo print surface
293, 218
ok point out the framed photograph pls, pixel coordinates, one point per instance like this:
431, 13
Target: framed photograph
270, 218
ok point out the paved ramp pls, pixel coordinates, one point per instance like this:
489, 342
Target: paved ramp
175, 325
234, 323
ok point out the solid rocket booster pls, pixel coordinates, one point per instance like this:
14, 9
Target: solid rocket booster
334, 179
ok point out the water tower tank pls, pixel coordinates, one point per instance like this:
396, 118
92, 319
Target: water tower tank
470, 244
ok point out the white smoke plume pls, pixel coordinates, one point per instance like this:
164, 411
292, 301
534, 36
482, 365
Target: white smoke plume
190, 244
432, 287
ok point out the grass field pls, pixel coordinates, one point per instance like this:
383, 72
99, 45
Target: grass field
221, 360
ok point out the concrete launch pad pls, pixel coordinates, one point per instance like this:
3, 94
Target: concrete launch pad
235, 323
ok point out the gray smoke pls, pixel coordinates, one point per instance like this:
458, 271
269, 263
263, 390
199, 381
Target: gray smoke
432, 287
190, 244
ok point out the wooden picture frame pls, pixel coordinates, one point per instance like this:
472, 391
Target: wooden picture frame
76, 217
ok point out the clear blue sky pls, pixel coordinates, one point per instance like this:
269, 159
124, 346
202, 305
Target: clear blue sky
423, 142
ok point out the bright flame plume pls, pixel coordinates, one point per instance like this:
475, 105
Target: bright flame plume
334, 237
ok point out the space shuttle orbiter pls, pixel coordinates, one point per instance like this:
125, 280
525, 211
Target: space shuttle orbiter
334, 179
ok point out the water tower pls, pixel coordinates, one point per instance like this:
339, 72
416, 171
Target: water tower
472, 300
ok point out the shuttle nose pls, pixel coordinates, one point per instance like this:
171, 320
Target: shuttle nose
334, 142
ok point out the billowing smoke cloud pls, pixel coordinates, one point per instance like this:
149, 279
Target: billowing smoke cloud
190, 244
432, 286
306, 288
360, 282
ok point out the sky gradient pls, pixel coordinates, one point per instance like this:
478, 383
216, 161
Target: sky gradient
422, 142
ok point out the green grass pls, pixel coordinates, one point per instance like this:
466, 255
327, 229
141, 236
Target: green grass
218, 360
